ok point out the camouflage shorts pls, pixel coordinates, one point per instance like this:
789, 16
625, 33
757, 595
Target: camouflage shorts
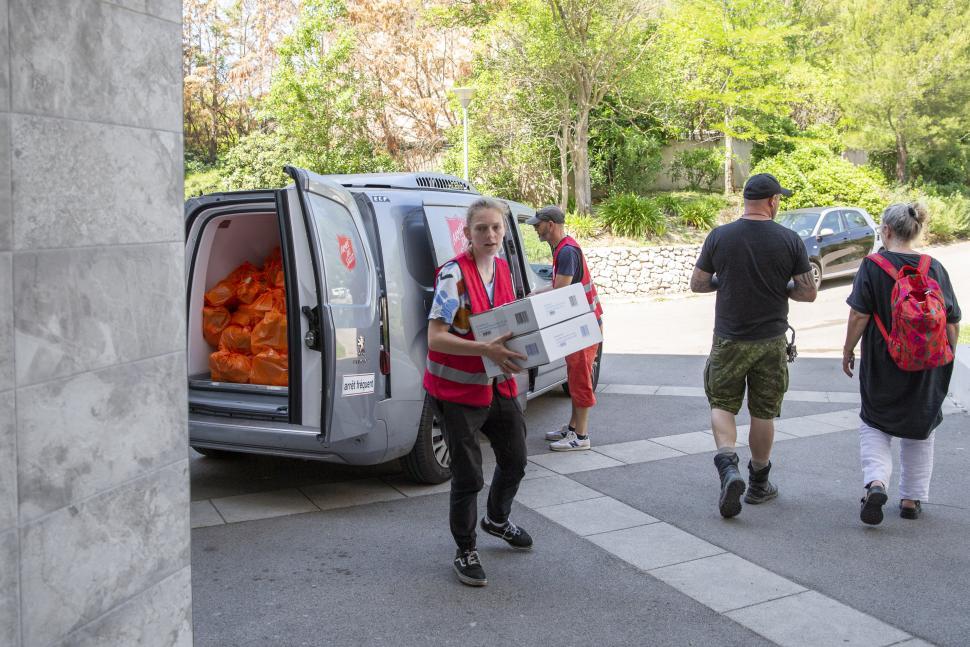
760, 365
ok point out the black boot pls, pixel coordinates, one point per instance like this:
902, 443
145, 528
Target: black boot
760, 489
732, 485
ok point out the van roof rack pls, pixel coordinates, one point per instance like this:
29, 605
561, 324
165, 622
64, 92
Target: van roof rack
437, 181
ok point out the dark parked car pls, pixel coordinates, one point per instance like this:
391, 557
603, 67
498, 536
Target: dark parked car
837, 238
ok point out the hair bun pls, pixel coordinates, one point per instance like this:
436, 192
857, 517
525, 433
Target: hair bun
918, 212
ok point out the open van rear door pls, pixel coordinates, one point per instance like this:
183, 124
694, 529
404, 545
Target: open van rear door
342, 327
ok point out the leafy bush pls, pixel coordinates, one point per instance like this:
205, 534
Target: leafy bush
582, 226
698, 211
821, 178
632, 216
699, 167
949, 218
203, 180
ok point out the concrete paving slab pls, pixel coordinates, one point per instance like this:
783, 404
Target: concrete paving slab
637, 451
263, 505
808, 426
409, 488
696, 442
592, 516
655, 545
915, 642
807, 396
571, 462
725, 582
631, 389
203, 513
348, 493
532, 471
553, 490
811, 619
682, 391
847, 419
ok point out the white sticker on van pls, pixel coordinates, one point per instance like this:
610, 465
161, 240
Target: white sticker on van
362, 384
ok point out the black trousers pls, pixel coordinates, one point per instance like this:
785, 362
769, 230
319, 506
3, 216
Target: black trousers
504, 425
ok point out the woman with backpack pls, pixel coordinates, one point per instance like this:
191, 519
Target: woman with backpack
903, 307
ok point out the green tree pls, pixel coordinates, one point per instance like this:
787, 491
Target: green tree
730, 65
905, 70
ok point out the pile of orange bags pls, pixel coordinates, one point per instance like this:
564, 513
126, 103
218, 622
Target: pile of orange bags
245, 318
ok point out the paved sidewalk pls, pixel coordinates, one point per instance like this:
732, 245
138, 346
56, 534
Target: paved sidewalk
630, 548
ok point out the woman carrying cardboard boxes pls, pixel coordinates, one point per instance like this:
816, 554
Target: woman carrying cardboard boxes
466, 399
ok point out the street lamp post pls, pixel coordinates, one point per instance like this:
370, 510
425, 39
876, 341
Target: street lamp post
464, 96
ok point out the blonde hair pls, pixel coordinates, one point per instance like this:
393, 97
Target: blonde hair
483, 204
905, 220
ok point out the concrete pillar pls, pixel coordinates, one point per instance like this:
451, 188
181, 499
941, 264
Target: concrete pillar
94, 499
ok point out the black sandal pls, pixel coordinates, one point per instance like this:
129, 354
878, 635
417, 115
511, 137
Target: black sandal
910, 513
872, 504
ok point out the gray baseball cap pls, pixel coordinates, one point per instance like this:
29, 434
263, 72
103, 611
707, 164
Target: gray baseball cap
550, 213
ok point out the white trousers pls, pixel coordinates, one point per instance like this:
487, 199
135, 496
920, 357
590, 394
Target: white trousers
915, 461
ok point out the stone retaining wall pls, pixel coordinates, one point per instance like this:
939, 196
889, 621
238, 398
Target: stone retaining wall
640, 271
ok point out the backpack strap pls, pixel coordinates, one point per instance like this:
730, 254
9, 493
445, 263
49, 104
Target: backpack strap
881, 327
884, 263
924, 264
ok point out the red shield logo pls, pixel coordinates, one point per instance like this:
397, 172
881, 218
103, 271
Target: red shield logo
347, 255
456, 227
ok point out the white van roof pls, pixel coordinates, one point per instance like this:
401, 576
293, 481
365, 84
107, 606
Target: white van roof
440, 181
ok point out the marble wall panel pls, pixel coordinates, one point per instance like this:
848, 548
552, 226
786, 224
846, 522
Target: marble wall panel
165, 9
95, 62
84, 309
8, 463
103, 185
82, 561
6, 322
9, 589
4, 69
6, 209
159, 617
93, 431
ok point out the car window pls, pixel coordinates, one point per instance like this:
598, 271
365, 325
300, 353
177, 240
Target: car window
802, 224
536, 251
344, 257
856, 220
832, 221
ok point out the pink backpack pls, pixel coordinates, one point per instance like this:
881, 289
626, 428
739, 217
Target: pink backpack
917, 341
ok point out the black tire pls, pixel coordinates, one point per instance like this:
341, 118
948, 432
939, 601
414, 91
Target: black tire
816, 274
596, 371
428, 461
214, 453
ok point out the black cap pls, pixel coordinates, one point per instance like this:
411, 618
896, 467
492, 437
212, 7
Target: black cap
763, 185
551, 213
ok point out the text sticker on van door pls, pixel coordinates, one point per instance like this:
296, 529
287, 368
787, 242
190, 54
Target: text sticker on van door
347, 256
456, 228
361, 384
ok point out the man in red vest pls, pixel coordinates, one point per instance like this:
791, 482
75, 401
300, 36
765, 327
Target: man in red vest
466, 400
568, 267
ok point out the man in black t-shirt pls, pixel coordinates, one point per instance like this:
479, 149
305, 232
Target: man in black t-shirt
750, 262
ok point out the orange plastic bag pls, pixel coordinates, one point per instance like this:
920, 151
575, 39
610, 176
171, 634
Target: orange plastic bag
246, 315
236, 338
223, 294
270, 333
227, 366
214, 321
250, 287
269, 301
270, 367
273, 269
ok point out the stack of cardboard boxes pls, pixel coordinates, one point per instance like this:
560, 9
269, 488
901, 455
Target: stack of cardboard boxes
545, 327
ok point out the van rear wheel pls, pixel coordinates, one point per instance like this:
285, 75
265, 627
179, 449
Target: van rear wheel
596, 370
429, 460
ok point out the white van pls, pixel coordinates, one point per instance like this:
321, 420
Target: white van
359, 254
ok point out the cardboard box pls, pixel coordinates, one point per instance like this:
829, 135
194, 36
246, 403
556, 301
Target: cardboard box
552, 343
532, 313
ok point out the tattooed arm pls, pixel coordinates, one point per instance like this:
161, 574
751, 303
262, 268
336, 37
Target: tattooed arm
804, 288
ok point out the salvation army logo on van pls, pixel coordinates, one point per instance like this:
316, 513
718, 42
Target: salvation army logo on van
347, 256
456, 227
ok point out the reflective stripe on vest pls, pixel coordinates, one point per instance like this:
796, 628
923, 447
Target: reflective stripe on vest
587, 280
462, 378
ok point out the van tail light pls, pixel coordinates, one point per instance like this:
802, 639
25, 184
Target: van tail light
385, 362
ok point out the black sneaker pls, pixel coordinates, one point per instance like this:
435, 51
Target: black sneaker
469, 568
515, 536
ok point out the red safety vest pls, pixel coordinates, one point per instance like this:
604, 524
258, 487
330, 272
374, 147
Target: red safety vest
588, 287
462, 378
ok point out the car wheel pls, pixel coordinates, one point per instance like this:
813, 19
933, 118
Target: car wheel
816, 274
429, 460
208, 452
596, 371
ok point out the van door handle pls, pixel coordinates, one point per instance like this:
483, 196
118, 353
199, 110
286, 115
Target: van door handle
312, 336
